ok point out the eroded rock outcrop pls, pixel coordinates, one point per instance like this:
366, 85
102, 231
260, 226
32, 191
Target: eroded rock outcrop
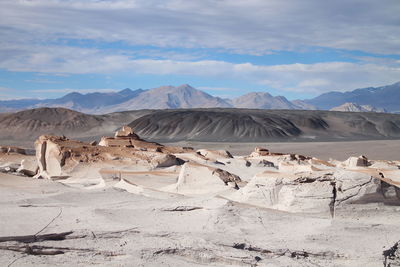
288, 182
126, 132
28, 167
214, 154
197, 179
355, 162
58, 156
315, 191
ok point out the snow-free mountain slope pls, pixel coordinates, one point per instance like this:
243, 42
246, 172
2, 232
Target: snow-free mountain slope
353, 107
170, 97
92, 102
263, 100
386, 97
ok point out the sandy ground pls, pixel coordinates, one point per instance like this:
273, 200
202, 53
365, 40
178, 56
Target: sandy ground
375, 149
112, 227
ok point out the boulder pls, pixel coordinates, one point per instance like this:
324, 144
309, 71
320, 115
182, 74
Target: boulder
196, 179
313, 192
28, 167
265, 163
392, 256
9, 167
355, 162
164, 160
49, 157
259, 152
358, 187
126, 132
293, 193
296, 167
214, 154
115, 142
93, 143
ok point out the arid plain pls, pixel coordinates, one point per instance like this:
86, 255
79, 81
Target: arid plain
124, 201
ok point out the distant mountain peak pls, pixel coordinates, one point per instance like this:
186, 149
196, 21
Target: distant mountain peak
263, 100
353, 107
384, 97
73, 94
185, 85
126, 90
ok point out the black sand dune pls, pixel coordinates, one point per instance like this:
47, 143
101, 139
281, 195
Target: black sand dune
230, 125
244, 125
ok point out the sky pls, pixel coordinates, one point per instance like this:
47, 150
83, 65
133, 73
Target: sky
295, 48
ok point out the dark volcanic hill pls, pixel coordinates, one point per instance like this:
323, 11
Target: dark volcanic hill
244, 125
22, 128
233, 125
27, 123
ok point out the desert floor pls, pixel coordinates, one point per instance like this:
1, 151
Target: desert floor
112, 227
374, 149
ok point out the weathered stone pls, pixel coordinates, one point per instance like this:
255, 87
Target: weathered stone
115, 142
93, 143
214, 154
314, 192
126, 132
266, 163
259, 152
354, 162
28, 167
195, 179
49, 157
164, 160
288, 192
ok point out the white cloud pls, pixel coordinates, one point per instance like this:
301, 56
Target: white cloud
38, 36
310, 78
249, 26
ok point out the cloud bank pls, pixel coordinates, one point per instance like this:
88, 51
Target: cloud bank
50, 36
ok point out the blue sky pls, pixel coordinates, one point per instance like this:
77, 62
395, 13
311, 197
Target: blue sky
298, 49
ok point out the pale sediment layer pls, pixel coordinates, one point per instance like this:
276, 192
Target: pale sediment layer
132, 202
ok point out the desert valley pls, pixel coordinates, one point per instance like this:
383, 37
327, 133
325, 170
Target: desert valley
120, 200
199, 133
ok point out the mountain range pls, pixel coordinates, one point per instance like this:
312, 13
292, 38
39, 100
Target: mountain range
384, 97
164, 97
184, 96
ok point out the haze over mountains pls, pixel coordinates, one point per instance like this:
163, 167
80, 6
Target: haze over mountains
164, 97
384, 97
169, 97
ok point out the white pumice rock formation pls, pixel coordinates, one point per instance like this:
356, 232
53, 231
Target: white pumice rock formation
214, 154
287, 182
164, 160
126, 132
197, 179
28, 167
355, 162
